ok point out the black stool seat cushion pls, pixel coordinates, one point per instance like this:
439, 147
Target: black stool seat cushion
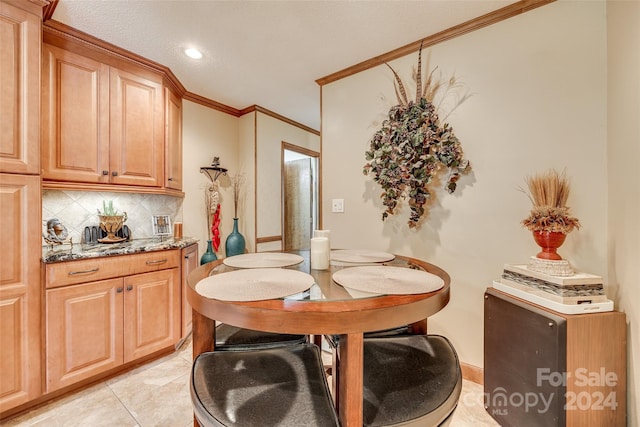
283, 386
233, 338
383, 333
410, 380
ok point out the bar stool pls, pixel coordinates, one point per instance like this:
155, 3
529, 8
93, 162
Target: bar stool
232, 338
410, 380
283, 386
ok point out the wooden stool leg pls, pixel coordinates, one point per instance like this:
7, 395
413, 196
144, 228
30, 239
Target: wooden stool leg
317, 340
204, 334
335, 377
204, 338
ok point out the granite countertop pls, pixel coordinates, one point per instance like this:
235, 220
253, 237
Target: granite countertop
82, 251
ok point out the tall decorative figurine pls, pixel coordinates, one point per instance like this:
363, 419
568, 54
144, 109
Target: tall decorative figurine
212, 205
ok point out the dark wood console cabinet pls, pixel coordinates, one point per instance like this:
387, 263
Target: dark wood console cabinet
544, 368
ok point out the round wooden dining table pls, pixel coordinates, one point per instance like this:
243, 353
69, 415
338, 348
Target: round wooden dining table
325, 308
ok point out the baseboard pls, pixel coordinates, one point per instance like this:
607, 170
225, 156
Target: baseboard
472, 373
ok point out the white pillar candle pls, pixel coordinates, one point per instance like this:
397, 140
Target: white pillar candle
319, 253
327, 234
323, 233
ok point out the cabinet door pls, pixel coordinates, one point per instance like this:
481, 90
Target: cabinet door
84, 331
20, 331
75, 117
173, 123
151, 312
137, 130
19, 89
522, 344
189, 263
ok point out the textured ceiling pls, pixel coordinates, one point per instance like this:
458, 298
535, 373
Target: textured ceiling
267, 53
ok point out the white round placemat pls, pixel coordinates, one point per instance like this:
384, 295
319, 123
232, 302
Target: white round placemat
383, 279
254, 284
263, 260
360, 255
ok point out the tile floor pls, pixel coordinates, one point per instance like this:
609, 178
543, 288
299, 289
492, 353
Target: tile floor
157, 394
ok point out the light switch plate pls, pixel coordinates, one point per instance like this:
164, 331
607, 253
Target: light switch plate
337, 205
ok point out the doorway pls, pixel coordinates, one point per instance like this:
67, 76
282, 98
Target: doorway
299, 196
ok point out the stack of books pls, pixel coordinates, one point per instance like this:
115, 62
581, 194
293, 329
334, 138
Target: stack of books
575, 294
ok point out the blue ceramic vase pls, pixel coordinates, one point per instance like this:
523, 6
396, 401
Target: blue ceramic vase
209, 255
235, 243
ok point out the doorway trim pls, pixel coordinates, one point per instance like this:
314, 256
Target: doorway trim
307, 152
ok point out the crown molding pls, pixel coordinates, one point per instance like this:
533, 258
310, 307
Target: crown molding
277, 116
47, 11
455, 31
215, 105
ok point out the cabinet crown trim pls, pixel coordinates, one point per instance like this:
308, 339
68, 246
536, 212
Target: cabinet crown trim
62, 35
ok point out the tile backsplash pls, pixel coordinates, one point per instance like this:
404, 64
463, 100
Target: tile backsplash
79, 209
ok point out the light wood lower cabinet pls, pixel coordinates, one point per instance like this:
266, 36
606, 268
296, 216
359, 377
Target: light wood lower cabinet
97, 326
151, 312
84, 331
20, 204
20, 290
189, 263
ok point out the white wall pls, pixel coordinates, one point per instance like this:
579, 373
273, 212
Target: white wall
623, 31
247, 149
539, 101
270, 133
207, 133
250, 145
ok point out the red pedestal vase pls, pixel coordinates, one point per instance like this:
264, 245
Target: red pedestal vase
549, 241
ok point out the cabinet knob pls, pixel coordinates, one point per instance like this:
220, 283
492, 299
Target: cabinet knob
119, 290
169, 179
105, 172
129, 287
114, 173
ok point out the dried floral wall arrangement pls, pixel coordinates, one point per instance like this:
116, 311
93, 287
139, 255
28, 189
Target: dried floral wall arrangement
412, 146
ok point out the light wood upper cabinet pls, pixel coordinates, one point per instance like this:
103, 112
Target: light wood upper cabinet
20, 37
173, 137
101, 124
137, 130
75, 117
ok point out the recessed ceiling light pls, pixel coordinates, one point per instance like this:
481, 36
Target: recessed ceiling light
193, 53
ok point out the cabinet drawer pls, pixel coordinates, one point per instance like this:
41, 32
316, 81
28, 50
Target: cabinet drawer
89, 270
